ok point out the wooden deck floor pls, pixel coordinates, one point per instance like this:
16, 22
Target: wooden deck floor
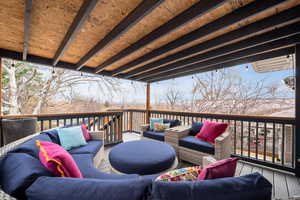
285, 186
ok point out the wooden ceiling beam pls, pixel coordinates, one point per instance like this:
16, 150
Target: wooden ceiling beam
82, 15
269, 46
27, 22
197, 10
224, 22
276, 34
248, 59
130, 20
246, 31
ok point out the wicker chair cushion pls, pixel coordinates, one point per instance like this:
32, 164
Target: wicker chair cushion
196, 127
30, 148
155, 135
92, 147
197, 144
18, 172
249, 187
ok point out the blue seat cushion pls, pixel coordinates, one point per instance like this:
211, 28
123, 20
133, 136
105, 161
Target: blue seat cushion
173, 122
155, 135
53, 134
85, 165
49, 188
30, 147
142, 157
18, 171
197, 144
92, 147
249, 187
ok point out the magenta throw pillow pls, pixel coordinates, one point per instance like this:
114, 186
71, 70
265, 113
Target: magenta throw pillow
220, 169
57, 160
86, 133
211, 130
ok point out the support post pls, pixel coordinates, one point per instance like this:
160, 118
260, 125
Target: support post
1, 135
297, 112
148, 104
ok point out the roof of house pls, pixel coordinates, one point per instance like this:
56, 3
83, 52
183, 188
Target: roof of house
148, 40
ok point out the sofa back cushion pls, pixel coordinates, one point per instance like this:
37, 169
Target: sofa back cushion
71, 137
29, 146
18, 171
57, 160
220, 169
53, 134
249, 187
173, 122
211, 130
49, 188
196, 127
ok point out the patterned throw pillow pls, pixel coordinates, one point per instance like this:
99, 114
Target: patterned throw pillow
184, 174
160, 127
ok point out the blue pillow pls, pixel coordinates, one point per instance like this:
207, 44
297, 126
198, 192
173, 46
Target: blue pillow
154, 120
71, 137
196, 127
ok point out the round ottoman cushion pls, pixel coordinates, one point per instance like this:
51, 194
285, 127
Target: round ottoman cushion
142, 157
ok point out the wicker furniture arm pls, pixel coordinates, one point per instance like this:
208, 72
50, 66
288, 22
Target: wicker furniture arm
223, 146
145, 127
207, 160
97, 135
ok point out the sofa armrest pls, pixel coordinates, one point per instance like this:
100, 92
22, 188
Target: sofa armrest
207, 160
223, 145
97, 135
145, 127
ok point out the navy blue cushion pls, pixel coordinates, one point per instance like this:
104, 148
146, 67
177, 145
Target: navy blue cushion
85, 165
196, 127
173, 122
197, 144
53, 134
249, 187
18, 171
30, 147
142, 157
92, 147
49, 188
155, 135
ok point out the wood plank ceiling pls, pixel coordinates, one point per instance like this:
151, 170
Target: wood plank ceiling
147, 40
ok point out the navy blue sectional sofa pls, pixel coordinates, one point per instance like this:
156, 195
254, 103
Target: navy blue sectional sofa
151, 134
24, 177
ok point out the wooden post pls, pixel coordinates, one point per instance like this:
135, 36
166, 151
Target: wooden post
130, 120
148, 104
297, 112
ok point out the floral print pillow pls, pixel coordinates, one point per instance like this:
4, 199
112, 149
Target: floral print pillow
183, 174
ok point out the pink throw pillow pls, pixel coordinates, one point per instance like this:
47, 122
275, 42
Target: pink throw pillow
57, 160
219, 169
86, 133
211, 130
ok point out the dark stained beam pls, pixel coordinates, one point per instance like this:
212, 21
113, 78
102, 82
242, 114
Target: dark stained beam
27, 22
276, 44
246, 31
130, 20
226, 21
82, 15
249, 59
197, 10
276, 34
47, 61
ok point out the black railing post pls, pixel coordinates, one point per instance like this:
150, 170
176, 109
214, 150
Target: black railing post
297, 113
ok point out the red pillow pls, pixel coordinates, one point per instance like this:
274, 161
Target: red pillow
219, 169
211, 130
57, 160
86, 133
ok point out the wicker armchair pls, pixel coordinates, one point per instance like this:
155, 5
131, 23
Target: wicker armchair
222, 149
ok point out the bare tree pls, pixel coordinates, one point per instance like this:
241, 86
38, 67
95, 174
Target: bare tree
172, 97
28, 89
